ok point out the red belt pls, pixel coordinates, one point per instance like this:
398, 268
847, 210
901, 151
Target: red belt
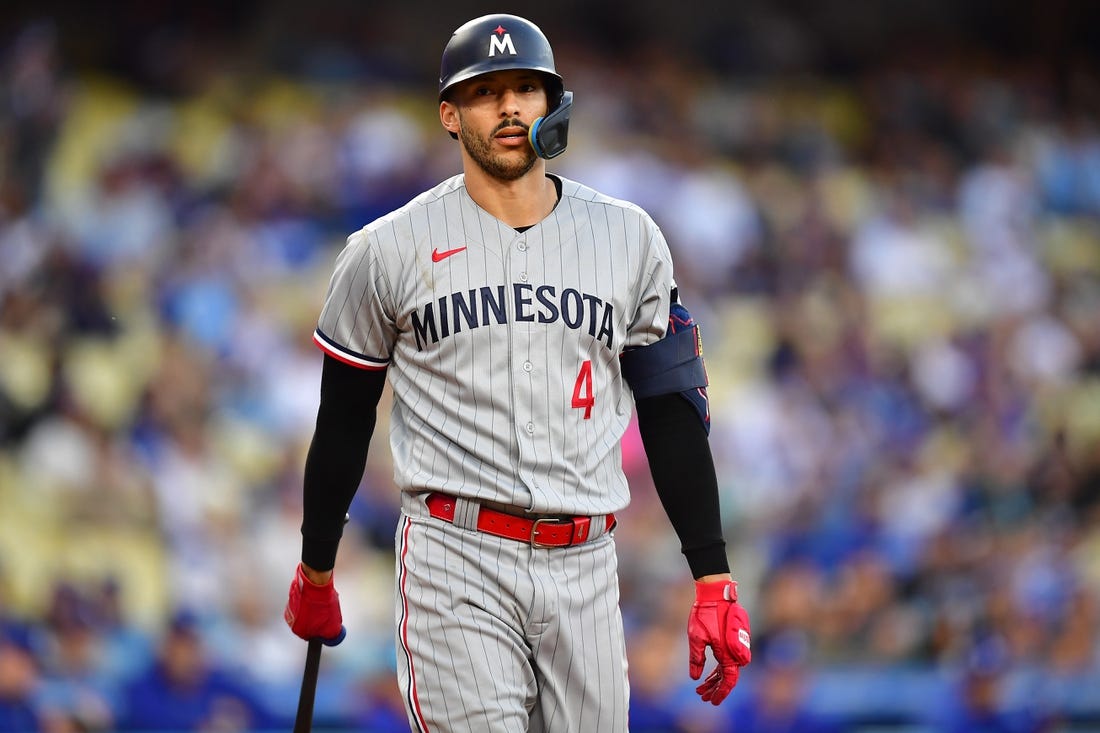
542, 532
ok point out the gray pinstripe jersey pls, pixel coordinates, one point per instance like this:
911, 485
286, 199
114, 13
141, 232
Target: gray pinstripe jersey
503, 347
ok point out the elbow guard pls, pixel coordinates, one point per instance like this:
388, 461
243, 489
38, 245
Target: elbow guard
672, 365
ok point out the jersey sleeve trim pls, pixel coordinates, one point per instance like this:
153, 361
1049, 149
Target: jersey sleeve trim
340, 353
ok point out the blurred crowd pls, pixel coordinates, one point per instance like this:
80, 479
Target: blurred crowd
897, 276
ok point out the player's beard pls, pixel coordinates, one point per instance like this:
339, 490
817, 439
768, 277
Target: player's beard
503, 168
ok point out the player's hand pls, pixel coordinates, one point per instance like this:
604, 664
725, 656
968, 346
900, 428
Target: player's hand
313, 611
716, 621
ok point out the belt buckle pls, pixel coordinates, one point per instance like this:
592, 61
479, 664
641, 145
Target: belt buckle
535, 533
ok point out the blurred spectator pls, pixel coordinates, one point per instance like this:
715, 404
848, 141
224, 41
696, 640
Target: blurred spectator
378, 706
979, 706
77, 690
184, 690
18, 682
1067, 162
33, 102
654, 651
779, 701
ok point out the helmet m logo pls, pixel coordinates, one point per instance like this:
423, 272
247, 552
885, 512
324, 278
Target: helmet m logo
502, 42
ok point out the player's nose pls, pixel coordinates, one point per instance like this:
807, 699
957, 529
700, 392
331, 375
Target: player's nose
509, 103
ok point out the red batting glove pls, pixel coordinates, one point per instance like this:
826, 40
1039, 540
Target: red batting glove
313, 611
718, 622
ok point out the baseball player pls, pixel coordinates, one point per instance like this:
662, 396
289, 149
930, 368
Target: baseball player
520, 318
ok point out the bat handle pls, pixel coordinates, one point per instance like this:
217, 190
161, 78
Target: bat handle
304, 719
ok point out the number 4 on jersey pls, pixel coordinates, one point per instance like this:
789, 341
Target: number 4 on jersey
582, 390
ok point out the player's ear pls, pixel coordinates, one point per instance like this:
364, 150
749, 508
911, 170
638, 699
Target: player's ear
448, 117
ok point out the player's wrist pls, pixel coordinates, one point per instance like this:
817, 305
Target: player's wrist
316, 577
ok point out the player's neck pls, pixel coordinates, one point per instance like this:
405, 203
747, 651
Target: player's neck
519, 203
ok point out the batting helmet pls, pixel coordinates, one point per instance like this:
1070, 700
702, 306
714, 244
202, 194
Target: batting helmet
494, 43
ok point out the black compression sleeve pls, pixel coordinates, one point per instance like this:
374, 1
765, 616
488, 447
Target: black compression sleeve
337, 456
679, 456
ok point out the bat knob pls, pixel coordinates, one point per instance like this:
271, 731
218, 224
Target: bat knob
336, 639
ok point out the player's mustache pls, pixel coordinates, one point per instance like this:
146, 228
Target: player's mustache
510, 123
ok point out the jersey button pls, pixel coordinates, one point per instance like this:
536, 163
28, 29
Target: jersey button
530, 428
528, 366
522, 246
523, 277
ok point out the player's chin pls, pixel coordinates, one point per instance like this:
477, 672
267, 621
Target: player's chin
512, 166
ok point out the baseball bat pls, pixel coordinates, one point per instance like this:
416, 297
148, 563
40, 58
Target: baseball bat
303, 721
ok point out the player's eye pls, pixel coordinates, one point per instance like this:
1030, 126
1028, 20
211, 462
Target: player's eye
528, 88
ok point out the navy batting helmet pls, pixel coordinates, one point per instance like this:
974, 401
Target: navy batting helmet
494, 43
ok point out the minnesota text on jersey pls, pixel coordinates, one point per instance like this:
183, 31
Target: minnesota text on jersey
486, 305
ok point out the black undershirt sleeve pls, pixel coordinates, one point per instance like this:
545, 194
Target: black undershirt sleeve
337, 456
683, 472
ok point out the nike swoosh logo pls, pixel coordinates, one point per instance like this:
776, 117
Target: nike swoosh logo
438, 256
